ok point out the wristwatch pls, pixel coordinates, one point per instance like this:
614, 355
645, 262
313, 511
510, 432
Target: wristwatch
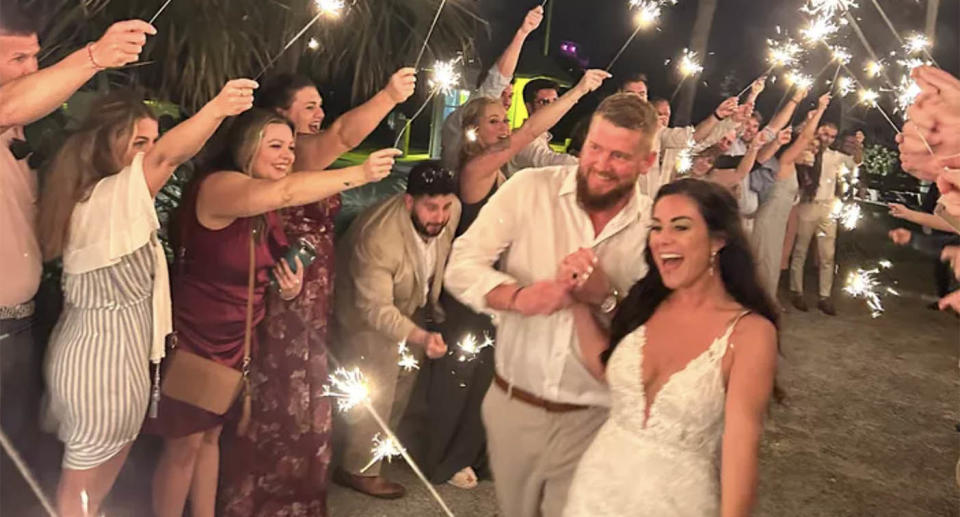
610, 302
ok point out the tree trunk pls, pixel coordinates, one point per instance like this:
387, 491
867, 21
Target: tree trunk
699, 38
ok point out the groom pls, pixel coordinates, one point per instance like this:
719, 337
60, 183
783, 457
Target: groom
544, 226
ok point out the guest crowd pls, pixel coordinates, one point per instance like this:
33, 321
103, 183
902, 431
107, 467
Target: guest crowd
583, 267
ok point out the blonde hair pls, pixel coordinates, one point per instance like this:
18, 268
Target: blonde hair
472, 115
91, 153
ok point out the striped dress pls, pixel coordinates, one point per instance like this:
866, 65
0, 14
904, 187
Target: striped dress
98, 378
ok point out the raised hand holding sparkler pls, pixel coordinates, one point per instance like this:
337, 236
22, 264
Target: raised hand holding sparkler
444, 78
120, 45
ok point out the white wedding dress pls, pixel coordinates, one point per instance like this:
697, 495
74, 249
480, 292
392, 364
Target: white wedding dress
668, 466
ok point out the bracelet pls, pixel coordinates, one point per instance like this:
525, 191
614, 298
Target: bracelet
92, 60
717, 116
513, 298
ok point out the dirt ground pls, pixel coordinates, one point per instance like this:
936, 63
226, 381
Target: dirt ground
868, 427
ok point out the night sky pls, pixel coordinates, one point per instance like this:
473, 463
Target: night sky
737, 46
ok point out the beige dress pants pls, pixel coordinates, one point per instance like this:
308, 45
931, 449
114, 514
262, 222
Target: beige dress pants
534, 453
814, 219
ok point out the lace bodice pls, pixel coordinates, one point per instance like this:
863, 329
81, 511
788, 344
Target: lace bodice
687, 412
665, 462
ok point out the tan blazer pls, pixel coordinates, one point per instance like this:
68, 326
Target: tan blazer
378, 278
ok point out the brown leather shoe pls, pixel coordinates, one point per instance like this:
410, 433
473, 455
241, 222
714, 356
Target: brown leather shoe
374, 486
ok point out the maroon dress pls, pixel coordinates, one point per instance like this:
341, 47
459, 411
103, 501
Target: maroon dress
280, 467
210, 300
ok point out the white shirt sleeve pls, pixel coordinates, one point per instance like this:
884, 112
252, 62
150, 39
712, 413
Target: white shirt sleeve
451, 133
470, 274
539, 154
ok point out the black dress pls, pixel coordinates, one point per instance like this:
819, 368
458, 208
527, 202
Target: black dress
452, 435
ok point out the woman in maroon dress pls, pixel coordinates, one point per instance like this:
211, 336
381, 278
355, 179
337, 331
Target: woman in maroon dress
235, 196
280, 466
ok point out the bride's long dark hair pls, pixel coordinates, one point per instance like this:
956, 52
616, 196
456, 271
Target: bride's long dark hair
735, 262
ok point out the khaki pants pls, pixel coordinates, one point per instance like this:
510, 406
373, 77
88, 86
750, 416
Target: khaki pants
814, 218
534, 453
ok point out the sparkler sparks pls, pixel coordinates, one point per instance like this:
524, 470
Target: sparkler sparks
445, 77
383, 449
845, 86
407, 361
907, 91
828, 8
469, 346
848, 214
819, 30
873, 68
313, 44
915, 44
330, 7
800, 80
347, 386
783, 53
685, 158
864, 284
841, 55
689, 64
648, 12
471, 134
868, 96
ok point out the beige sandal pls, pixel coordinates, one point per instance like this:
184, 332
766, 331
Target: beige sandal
465, 479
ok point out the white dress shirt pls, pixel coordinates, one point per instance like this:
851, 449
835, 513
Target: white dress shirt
833, 161
539, 154
672, 142
530, 224
451, 135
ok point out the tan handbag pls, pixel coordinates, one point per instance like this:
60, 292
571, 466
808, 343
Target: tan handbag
208, 384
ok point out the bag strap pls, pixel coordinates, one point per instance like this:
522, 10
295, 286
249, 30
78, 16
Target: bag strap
248, 328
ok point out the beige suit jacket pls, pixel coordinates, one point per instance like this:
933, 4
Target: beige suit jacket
378, 279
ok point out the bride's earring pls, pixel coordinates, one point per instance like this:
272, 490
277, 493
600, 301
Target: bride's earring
713, 262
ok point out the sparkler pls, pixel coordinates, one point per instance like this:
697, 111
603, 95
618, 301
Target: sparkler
907, 91
869, 97
331, 8
383, 449
688, 66
915, 44
848, 214
873, 68
783, 53
800, 80
685, 158
819, 30
313, 44
828, 8
864, 284
469, 346
471, 134
444, 78
25, 472
157, 14
648, 12
349, 387
845, 86
433, 24
407, 361
841, 55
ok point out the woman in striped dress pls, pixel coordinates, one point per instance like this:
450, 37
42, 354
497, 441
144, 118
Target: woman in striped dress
96, 211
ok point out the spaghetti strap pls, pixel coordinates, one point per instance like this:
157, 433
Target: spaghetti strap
733, 324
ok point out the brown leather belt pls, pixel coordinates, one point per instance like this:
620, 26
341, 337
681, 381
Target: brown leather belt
533, 400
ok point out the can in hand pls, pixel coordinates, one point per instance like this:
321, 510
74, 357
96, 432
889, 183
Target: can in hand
302, 249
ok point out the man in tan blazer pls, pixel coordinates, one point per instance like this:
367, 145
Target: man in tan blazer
389, 276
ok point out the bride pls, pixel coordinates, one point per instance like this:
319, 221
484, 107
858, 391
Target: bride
692, 358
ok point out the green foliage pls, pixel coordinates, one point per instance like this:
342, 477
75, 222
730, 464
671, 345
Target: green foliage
879, 160
202, 44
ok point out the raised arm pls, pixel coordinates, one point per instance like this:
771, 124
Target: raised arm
34, 96
706, 126
809, 131
476, 172
507, 64
785, 115
755, 90
317, 152
749, 388
226, 196
768, 151
186, 139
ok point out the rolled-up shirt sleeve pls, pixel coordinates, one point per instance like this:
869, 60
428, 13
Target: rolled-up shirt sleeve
470, 274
